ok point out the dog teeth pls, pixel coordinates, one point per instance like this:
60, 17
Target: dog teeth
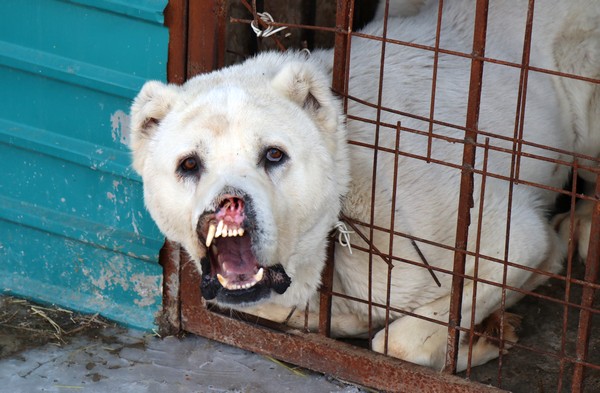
219, 229
222, 280
210, 235
231, 286
222, 230
259, 275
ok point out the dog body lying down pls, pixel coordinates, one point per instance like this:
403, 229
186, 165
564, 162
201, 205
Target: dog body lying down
249, 168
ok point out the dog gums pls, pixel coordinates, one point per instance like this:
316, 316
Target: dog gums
198, 45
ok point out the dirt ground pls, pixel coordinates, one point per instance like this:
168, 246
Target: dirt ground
523, 370
25, 325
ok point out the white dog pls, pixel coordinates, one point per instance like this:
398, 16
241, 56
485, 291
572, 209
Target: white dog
248, 168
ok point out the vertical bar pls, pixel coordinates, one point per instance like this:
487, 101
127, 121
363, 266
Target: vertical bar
339, 85
169, 320
341, 52
592, 268
466, 184
522, 100
325, 291
206, 36
568, 276
176, 20
436, 54
484, 173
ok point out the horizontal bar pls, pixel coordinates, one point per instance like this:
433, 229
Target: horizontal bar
69, 70
81, 230
148, 10
314, 351
52, 144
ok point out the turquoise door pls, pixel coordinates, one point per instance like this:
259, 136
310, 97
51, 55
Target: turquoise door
73, 228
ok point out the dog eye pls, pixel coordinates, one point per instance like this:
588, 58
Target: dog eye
274, 155
189, 166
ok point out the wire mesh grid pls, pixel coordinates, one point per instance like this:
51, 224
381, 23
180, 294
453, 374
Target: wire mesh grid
559, 340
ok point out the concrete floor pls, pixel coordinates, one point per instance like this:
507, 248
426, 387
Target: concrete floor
43, 349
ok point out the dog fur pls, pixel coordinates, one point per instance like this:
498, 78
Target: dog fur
265, 143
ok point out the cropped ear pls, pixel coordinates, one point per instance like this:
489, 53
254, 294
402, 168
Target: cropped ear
305, 84
149, 108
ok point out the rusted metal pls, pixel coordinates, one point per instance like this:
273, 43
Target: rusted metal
466, 183
341, 51
477, 254
341, 54
314, 351
592, 273
206, 36
436, 54
177, 21
169, 319
325, 298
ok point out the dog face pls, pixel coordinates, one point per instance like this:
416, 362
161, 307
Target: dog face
245, 167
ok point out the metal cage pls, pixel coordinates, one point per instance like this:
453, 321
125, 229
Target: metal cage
570, 300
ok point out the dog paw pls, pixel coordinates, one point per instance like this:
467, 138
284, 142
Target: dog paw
582, 225
414, 340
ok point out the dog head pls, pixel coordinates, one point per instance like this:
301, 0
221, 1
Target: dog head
245, 168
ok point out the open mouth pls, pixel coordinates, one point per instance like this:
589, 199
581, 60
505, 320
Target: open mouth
231, 272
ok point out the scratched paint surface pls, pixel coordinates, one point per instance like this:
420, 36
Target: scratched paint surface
73, 228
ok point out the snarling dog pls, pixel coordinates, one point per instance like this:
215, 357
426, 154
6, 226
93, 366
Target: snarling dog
249, 169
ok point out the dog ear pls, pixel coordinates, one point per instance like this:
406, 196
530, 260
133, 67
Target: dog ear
304, 84
149, 108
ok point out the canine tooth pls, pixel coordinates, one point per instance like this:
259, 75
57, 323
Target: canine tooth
219, 229
259, 275
210, 235
241, 232
222, 280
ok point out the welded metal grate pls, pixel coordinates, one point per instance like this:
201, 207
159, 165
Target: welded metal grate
569, 313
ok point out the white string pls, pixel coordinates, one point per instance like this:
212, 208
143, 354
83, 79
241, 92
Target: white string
344, 235
270, 30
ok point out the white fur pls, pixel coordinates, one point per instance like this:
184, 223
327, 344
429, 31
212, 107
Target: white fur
228, 116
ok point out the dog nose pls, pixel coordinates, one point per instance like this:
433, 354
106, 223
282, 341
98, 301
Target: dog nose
232, 205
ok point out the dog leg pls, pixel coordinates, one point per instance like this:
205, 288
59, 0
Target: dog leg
424, 342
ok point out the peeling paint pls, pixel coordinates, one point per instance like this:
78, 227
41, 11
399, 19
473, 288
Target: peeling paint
120, 127
148, 288
112, 275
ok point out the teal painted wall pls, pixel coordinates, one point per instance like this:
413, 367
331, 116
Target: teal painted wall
73, 228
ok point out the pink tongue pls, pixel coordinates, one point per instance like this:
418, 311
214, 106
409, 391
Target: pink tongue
235, 256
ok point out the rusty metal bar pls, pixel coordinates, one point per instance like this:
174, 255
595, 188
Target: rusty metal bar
466, 184
568, 276
477, 253
522, 100
169, 319
436, 54
325, 297
313, 351
206, 36
341, 51
592, 273
176, 19
339, 84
